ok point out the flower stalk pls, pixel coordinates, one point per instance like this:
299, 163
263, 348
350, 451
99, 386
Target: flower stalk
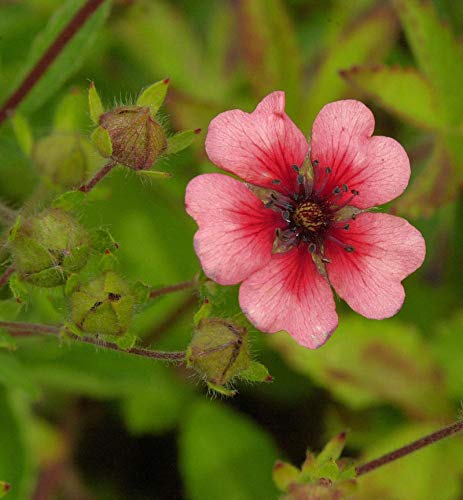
184, 285
410, 448
19, 329
68, 32
85, 188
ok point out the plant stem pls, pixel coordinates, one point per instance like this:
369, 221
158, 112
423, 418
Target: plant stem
7, 215
184, 285
20, 329
49, 56
6, 275
410, 448
85, 188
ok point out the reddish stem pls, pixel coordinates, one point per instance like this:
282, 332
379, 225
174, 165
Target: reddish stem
98, 176
6, 275
19, 329
410, 448
49, 56
184, 285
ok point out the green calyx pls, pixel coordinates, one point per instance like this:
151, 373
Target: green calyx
219, 351
103, 306
49, 246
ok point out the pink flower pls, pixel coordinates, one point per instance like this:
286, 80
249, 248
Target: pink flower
298, 226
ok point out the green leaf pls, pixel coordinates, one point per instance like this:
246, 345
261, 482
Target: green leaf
367, 363
102, 141
14, 375
224, 455
22, 132
70, 58
367, 41
69, 201
94, 103
403, 91
154, 96
153, 174
437, 52
181, 141
256, 372
17, 463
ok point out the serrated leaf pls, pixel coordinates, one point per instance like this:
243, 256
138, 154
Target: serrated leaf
154, 96
181, 141
403, 91
95, 105
70, 58
437, 52
366, 363
209, 448
22, 132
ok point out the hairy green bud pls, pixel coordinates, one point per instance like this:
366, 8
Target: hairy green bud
65, 158
49, 246
103, 306
219, 350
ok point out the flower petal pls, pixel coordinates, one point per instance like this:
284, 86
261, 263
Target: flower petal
260, 146
386, 250
289, 294
236, 231
377, 167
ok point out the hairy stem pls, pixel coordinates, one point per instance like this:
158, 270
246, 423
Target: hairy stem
49, 56
22, 329
410, 448
6, 275
98, 176
184, 285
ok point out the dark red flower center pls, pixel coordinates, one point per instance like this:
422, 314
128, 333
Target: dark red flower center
311, 216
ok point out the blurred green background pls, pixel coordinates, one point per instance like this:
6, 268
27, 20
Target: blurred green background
77, 422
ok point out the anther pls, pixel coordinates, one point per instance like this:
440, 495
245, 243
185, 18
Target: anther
349, 248
336, 190
312, 248
315, 163
346, 227
273, 196
276, 181
345, 188
295, 168
355, 192
286, 216
328, 170
325, 260
300, 179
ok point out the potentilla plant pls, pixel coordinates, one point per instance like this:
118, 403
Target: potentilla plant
301, 223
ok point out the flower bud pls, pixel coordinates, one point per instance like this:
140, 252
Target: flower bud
137, 139
65, 158
219, 350
103, 306
49, 246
